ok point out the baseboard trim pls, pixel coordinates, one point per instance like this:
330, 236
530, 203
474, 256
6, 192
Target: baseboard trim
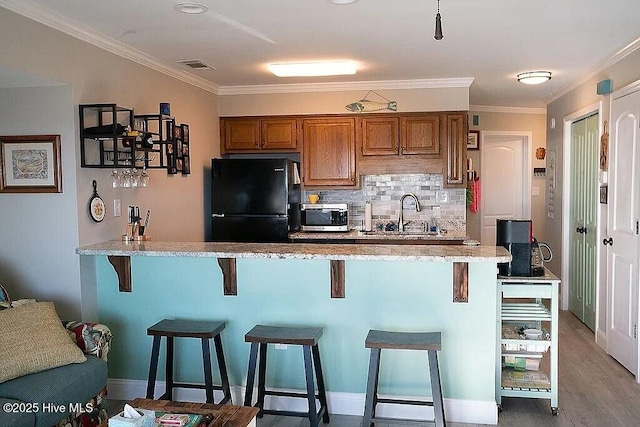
456, 410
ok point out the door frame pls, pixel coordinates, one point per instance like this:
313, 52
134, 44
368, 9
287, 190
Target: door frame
527, 141
566, 187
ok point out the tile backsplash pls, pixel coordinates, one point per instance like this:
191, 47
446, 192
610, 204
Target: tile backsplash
384, 192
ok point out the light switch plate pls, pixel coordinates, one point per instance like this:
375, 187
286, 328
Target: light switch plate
535, 191
435, 212
117, 210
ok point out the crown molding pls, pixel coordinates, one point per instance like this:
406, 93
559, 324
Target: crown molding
464, 82
76, 30
514, 110
595, 70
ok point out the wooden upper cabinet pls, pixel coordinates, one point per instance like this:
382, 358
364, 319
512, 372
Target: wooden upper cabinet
420, 134
329, 152
380, 136
240, 135
405, 134
279, 134
455, 156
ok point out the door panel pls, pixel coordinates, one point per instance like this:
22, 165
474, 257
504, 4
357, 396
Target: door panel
622, 256
583, 219
502, 181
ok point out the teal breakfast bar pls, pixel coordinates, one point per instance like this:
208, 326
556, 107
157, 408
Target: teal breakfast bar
346, 289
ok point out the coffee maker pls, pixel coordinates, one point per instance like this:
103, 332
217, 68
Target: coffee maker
526, 257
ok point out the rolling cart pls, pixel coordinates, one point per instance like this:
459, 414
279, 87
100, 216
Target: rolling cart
527, 303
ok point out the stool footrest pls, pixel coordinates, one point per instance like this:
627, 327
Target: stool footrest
193, 385
288, 394
405, 402
402, 421
291, 413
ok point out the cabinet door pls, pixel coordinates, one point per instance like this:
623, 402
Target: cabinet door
421, 135
279, 134
456, 150
240, 135
379, 136
329, 152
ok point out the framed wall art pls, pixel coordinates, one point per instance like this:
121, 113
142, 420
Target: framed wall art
473, 140
30, 164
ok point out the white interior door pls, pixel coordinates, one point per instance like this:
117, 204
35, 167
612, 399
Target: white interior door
622, 253
504, 181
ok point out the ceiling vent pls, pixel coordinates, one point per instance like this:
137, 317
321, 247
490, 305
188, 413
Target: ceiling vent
196, 64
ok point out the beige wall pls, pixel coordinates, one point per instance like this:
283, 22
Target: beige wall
178, 202
534, 123
441, 99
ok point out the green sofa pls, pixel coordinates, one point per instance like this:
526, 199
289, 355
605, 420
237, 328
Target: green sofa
72, 395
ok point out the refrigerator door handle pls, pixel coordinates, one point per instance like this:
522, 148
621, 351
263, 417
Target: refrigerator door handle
217, 215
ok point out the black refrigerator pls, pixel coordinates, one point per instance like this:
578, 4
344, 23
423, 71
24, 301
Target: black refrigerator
254, 200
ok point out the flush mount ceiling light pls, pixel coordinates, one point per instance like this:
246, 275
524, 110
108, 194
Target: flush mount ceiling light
534, 77
309, 69
343, 1
438, 35
191, 8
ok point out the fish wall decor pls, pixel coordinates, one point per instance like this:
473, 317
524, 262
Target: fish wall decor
366, 106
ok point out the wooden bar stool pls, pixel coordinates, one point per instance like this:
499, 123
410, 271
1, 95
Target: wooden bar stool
262, 335
188, 329
429, 341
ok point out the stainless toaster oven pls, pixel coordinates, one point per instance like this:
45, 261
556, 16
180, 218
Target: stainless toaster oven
324, 217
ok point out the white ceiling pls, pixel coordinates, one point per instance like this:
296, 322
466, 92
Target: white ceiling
392, 40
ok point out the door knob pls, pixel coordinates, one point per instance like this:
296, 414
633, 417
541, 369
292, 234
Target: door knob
608, 241
578, 230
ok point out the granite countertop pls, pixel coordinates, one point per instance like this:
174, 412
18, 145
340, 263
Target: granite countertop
331, 251
378, 235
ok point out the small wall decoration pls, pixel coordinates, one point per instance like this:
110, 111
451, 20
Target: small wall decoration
30, 164
97, 210
541, 152
165, 108
604, 147
186, 163
473, 140
367, 106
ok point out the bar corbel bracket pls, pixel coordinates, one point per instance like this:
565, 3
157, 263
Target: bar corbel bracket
337, 278
122, 266
229, 275
460, 282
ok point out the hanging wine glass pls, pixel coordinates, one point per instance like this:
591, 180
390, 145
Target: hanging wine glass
135, 178
145, 179
126, 178
116, 179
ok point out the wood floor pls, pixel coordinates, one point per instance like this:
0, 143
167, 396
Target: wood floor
593, 390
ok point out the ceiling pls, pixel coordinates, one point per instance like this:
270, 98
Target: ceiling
392, 41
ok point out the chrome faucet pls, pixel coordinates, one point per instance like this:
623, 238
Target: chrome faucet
400, 217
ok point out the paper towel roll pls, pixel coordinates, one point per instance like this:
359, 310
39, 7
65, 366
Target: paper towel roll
367, 217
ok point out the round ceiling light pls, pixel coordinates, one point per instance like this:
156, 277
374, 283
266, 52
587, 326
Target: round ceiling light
343, 1
534, 77
191, 8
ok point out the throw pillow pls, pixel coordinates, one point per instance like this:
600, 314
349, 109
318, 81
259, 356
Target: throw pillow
32, 339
